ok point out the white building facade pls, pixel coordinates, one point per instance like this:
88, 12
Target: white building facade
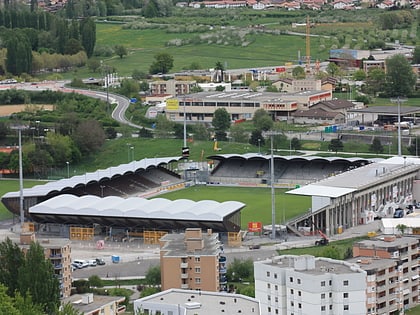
305, 285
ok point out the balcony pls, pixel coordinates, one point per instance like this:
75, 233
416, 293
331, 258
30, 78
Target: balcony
58, 266
184, 275
222, 259
222, 270
56, 256
223, 280
184, 286
183, 265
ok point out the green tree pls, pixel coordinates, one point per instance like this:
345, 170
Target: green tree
257, 138
95, 281
88, 35
93, 64
331, 252
200, 132
151, 9
333, 70
89, 136
400, 78
153, 276
162, 64
359, 75
262, 120
7, 303
298, 72
138, 75
220, 69
36, 278
336, 145
68, 309
121, 51
11, 258
376, 146
295, 144
221, 120
238, 133
375, 81
129, 88
416, 55
240, 269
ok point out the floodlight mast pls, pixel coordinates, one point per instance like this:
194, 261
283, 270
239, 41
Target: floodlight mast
399, 100
273, 197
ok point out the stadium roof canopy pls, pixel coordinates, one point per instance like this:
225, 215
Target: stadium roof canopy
72, 182
358, 178
135, 212
252, 156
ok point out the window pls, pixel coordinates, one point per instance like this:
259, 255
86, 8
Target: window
345, 295
268, 286
276, 299
330, 295
330, 306
346, 282
330, 282
275, 276
197, 269
197, 259
197, 280
292, 303
299, 293
276, 287
291, 291
291, 279
346, 307
269, 297
322, 295
323, 308
300, 305
268, 273
269, 309
298, 281
277, 311
322, 283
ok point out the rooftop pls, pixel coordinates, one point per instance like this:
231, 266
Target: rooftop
176, 246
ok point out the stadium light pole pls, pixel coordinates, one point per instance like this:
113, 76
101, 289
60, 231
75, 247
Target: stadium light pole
259, 146
68, 169
185, 124
21, 211
399, 100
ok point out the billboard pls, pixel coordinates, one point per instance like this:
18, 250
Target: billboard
172, 104
255, 227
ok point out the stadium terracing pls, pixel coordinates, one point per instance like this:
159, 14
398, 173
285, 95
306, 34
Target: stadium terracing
115, 197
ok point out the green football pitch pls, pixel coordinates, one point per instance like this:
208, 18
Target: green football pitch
257, 200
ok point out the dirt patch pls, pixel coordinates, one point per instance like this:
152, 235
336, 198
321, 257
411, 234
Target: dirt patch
7, 110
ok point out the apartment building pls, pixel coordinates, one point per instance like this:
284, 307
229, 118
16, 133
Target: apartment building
393, 275
58, 251
187, 302
172, 87
291, 285
192, 260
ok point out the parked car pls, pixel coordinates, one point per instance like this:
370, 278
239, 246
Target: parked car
81, 263
100, 261
399, 213
92, 262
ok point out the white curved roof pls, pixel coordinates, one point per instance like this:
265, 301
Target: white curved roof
134, 207
45, 189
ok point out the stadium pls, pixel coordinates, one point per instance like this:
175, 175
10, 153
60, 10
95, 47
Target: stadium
114, 202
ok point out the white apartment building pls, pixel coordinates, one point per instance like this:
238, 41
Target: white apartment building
305, 285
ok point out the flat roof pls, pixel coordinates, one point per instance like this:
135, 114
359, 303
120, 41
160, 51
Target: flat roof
176, 245
358, 178
202, 302
379, 242
387, 110
98, 302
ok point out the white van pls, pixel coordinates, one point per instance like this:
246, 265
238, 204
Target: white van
81, 263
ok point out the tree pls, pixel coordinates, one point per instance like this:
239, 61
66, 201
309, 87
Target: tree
11, 258
333, 70
221, 120
416, 55
121, 51
95, 281
36, 278
6, 303
262, 120
68, 309
219, 69
298, 72
295, 144
89, 136
238, 133
88, 35
359, 75
376, 146
162, 64
93, 64
138, 75
402, 228
400, 78
240, 269
153, 276
336, 145
257, 138
375, 81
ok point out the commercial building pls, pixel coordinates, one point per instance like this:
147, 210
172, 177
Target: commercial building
58, 251
187, 302
172, 87
393, 275
293, 284
193, 260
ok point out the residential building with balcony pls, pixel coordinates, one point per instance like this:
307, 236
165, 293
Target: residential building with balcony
193, 260
90, 304
187, 302
291, 284
172, 87
393, 274
58, 251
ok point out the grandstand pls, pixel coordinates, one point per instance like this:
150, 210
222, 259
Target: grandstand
288, 170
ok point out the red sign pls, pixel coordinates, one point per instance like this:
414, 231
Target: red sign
254, 226
280, 69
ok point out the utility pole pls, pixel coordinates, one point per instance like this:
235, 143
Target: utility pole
399, 100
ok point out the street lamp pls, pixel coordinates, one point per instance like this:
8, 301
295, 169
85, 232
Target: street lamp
399, 100
259, 146
132, 153
68, 169
128, 152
